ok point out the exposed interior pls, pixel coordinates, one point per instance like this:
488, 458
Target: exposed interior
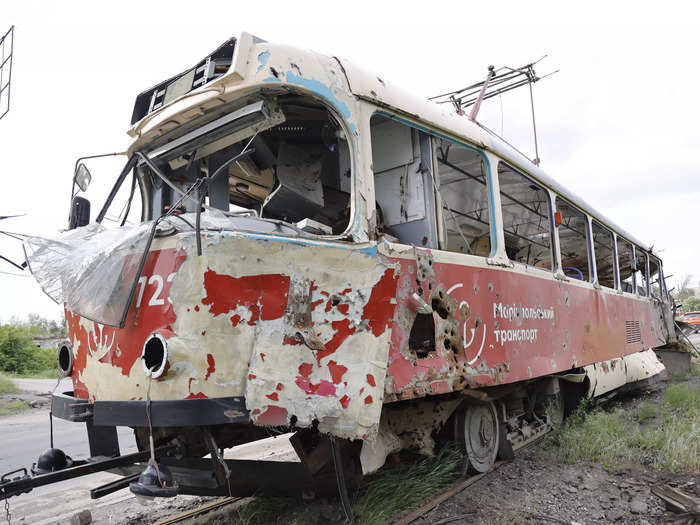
295, 164
417, 175
403, 183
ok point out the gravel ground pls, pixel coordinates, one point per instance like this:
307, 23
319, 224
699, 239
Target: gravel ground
534, 488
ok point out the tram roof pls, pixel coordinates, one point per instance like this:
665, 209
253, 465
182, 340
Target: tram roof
376, 90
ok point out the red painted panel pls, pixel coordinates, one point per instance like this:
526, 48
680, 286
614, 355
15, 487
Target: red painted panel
515, 326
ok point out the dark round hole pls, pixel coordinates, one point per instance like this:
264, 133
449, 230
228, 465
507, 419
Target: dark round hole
154, 354
65, 359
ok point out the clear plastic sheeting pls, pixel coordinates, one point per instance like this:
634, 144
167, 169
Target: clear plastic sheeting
92, 270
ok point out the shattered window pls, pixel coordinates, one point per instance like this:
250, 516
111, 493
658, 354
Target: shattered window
526, 219
573, 240
465, 199
655, 285
641, 271
604, 254
285, 159
626, 264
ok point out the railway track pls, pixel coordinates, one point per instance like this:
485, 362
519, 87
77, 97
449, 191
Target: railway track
409, 517
197, 512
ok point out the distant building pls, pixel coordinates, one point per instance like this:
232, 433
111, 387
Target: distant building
47, 342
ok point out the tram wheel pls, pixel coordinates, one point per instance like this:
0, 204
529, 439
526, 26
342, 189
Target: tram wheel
477, 432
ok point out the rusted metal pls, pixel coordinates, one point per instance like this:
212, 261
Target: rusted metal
198, 511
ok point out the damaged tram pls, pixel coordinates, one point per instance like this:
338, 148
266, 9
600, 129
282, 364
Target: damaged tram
321, 252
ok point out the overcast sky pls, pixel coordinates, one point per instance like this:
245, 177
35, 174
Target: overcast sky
619, 124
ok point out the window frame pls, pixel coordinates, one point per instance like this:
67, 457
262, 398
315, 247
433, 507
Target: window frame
617, 261
646, 271
435, 177
592, 270
554, 248
662, 295
613, 238
493, 237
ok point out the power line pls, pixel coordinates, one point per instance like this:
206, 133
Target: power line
15, 274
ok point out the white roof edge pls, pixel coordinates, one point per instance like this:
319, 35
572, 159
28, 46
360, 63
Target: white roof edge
378, 91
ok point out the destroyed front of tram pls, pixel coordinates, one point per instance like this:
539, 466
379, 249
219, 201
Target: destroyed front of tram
322, 253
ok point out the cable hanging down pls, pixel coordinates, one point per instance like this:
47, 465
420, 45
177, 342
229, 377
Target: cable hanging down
497, 82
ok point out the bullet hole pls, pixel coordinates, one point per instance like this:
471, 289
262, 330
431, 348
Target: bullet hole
440, 308
421, 340
335, 300
292, 420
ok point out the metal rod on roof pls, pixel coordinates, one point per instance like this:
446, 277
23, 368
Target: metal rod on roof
477, 104
536, 160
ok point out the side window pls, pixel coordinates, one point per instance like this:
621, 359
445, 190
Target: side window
641, 271
403, 183
655, 284
526, 220
572, 225
465, 199
626, 263
604, 255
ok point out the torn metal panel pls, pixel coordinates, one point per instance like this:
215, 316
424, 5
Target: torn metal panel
300, 328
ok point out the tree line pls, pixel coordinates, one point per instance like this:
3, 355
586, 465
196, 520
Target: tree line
18, 352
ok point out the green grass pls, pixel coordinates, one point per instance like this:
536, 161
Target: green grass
645, 411
382, 497
265, 509
618, 435
10, 407
393, 491
7, 386
683, 399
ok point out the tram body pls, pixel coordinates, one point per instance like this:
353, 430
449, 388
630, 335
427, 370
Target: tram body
415, 263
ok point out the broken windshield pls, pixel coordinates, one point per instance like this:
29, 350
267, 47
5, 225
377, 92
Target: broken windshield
285, 159
286, 162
